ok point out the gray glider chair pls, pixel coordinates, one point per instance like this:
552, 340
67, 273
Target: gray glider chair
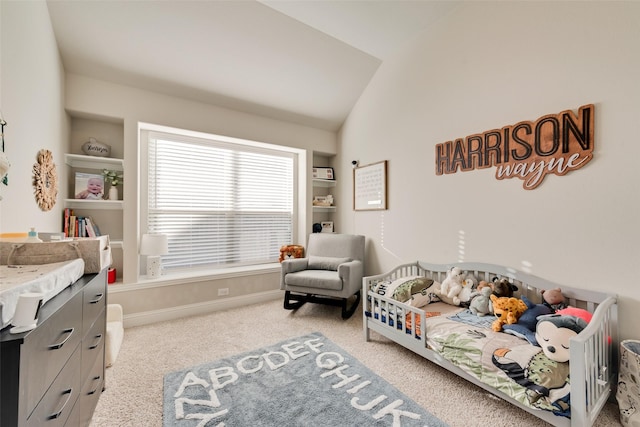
331, 273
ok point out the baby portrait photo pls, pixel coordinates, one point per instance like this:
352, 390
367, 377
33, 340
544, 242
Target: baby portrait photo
89, 186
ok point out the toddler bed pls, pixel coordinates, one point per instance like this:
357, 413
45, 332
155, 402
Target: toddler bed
464, 343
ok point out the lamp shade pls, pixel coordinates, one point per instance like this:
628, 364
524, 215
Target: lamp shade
154, 244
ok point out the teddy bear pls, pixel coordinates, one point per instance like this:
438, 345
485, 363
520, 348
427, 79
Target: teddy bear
525, 327
544, 370
503, 288
553, 298
507, 311
291, 251
451, 286
480, 304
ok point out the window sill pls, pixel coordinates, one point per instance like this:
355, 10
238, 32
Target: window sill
172, 279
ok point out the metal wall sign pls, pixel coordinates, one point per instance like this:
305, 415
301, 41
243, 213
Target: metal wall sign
553, 144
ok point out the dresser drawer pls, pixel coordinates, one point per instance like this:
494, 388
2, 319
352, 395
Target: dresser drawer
91, 391
93, 344
74, 417
59, 401
48, 348
94, 301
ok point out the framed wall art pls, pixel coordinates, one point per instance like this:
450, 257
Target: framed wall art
370, 187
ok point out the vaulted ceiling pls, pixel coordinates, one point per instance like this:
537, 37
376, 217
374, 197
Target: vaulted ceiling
305, 61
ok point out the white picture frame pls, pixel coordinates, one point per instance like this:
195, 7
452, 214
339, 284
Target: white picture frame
327, 226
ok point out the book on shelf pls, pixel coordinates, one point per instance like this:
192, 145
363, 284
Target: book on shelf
78, 226
65, 221
89, 227
72, 226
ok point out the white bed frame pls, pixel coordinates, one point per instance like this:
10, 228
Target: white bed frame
593, 352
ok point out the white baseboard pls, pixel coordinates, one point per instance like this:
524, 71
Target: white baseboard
147, 317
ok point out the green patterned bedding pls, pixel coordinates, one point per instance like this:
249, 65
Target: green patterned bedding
503, 361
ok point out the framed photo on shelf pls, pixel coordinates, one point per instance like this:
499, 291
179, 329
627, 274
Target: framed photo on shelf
323, 173
327, 226
89, 186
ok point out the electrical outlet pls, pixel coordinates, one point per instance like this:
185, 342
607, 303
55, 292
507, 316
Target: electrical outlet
223, 291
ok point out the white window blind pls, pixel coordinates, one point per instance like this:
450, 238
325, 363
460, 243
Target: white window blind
220, 203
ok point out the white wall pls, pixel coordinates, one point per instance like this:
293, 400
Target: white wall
31, 100
131, 106
491, 64
34, 93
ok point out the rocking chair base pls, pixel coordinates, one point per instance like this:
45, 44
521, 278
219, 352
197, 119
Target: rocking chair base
293, 301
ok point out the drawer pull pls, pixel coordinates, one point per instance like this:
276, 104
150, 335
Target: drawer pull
95, 389
68, 392
61, 343
98, 339
97, 300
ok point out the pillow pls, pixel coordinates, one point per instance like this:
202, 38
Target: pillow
387, 288
325, 262
410, 288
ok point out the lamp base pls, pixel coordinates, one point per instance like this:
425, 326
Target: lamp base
154, 268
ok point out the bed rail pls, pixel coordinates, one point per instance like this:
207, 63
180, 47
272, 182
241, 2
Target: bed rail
593, 379
593, 352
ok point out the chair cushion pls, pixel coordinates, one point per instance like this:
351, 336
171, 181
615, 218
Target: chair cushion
325, 262
320, 279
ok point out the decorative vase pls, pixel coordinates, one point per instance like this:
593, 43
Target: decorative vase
113, 193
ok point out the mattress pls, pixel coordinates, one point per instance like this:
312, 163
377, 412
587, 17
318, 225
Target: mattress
50, 279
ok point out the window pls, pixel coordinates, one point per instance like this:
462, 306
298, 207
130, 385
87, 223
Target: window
223, 202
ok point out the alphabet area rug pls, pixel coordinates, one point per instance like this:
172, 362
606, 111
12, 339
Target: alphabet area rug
303, 381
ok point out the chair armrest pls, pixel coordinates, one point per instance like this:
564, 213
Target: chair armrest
294, 264
351, 274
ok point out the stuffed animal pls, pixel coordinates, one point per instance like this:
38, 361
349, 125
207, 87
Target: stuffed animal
507, 311
553, 298
483, 284
503, 288
468, 289
291, 251
544, 371
576, 312
480, 304
451, 286
525, 327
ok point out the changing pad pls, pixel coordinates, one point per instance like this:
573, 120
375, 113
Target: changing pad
50, 279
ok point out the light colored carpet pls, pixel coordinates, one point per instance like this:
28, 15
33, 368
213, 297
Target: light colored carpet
133, 394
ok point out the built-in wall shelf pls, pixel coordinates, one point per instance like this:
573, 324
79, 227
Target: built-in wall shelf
94, 204
324, 208
324, 182
93, 162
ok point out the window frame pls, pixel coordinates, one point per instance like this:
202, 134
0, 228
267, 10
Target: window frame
144, 129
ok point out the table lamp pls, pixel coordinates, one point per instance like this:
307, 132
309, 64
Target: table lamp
153, 246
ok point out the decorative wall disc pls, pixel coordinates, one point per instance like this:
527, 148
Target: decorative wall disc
45, 180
